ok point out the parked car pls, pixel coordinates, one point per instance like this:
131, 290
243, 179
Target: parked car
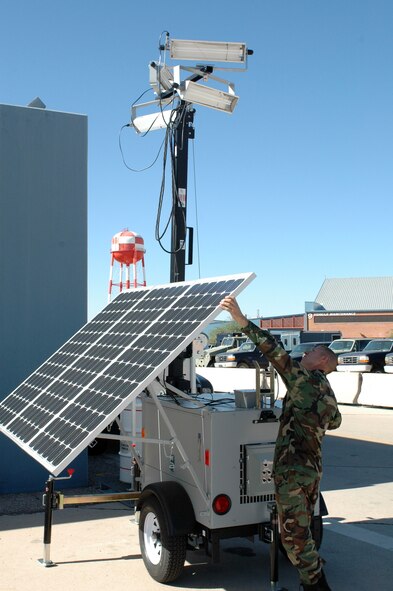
348, 345
371, 359
389, 363
298, 351
243, 356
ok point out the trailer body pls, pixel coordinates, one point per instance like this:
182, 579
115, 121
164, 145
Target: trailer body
230, 451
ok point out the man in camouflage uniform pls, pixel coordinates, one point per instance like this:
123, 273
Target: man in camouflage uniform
309, 409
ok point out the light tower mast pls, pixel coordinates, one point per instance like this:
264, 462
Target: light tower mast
184, 132
169, 87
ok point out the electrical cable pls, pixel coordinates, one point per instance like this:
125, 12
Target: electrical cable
122, 154
162, 47
136, 100
196, 210
218, 402
159, 236
170, 141
143, 135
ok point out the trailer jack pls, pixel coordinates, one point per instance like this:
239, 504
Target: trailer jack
57, 500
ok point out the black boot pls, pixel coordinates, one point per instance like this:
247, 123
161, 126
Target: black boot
320, 585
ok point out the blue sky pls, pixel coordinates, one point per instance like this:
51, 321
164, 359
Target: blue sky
296, 185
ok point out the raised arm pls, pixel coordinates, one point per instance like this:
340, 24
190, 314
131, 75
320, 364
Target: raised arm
277, 356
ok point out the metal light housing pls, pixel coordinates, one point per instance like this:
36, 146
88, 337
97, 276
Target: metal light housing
158, 119
152, 121
208, 51
208, 97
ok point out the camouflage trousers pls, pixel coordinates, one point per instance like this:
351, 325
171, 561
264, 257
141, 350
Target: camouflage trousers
296, 495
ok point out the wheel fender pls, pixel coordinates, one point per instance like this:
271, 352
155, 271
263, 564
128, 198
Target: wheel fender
323, 510
175, 503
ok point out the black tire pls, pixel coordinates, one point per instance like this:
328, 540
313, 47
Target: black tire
243, 364
317, 530
163, 554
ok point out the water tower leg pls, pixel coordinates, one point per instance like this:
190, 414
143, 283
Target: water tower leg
110, 279
127, 276
143, 271
121, 277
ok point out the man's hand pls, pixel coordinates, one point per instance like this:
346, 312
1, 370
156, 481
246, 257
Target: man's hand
230, 304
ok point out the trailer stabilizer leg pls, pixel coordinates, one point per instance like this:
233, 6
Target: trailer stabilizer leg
50, 502
48, 505
274, 548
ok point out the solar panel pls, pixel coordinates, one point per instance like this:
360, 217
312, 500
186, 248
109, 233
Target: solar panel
61, 407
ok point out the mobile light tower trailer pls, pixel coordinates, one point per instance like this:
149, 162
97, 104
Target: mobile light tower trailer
206, 465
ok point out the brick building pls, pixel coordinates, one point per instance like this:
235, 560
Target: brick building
356, 307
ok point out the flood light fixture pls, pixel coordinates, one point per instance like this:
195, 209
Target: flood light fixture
208, 97
159, 119
208, 51
152, 121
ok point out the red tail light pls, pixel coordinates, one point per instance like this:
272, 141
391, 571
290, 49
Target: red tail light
222, 504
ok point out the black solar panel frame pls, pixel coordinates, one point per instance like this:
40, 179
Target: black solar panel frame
40, 430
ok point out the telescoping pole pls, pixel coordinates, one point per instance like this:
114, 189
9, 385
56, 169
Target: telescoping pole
184, 132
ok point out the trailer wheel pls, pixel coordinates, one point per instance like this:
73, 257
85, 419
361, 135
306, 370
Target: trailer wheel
163, 554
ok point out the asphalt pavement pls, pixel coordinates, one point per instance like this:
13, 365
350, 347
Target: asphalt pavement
96, 547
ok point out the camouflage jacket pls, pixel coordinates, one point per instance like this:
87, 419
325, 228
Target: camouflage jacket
309, 409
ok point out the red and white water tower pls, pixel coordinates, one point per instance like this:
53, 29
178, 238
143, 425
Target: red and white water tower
127, 248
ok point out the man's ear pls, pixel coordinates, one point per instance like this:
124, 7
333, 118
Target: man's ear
325, 360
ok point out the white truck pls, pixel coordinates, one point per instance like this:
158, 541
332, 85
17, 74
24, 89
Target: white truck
206, 358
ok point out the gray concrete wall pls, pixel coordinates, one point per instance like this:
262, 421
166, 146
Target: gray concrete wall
43, 249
